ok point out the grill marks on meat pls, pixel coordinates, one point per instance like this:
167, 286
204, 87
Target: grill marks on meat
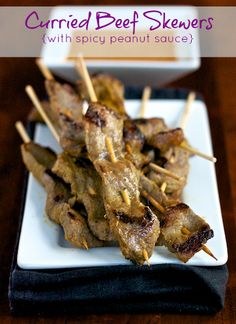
86, 185
60, 206
134, 142
109, 92
158, 135
184, 246
135, 226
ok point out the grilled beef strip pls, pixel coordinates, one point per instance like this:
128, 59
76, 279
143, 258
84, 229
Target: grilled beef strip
158, 135
135, 226
166, 139
85, 184
60, 206
37, 159
184, 246
67, 108
177, 216
134, 143
109, 92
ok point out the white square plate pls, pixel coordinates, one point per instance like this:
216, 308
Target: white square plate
42, 245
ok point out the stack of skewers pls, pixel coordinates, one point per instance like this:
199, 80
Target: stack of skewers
117, 179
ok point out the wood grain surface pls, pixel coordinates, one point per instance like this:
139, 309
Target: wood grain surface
216, 80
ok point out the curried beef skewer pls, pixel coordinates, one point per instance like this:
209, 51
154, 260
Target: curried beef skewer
134, 225
175, 137
128, 196
66, 110
167, 216
98, 223
85, 184
60, 206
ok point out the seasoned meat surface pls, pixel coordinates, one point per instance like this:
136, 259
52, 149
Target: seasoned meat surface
152, 189
134, 225
37, 159
178, 163
67, 108
150, 126
166, 139
63, 99
134, 142
60, 205
184, 246
59, 208
85, 184
109, 92
101, 122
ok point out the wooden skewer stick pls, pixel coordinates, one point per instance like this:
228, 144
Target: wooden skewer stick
22, 132
204, 247
113, 158
163, 187
145, 98
159, 169
91, 191
110, 149
85, 244
185, 115
82, 69
183, 121
153, 201
44, 70
145, 255
126, 197
128, 148
32, 95
192, 150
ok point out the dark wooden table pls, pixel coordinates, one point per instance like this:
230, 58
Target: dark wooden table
216, 80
